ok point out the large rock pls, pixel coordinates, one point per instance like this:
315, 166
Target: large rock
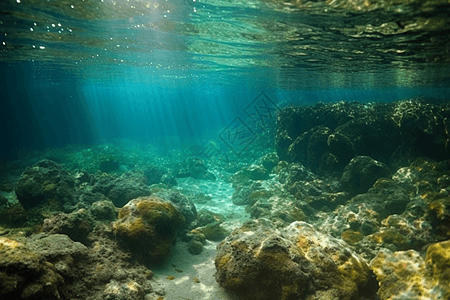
294, 121
184, 205
122, 189
157, 175
298, 262
406, 275
43, 183
361, 173
25, 274
309, 147
45, 266
147, 226
61, 251
77, 225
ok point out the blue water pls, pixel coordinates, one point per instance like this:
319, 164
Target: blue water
174, 73
38, 113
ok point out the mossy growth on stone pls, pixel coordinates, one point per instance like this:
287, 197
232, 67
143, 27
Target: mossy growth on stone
352, 237
25, 274
438, 262
147, 227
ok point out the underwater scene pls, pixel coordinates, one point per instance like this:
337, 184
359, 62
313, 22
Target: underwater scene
225, 150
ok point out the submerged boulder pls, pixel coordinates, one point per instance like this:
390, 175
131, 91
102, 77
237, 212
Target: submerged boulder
184, 205
25, 274
257, 262
43, 183
406, 275
361, 173
122, 189
147, 226
77, 225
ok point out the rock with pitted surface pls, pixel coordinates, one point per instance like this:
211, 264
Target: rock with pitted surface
147, 227
122, 189
43, 183
257, 262
406, 275
25, 274
361, 173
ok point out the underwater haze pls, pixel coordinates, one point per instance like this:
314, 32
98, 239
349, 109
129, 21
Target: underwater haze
92, 70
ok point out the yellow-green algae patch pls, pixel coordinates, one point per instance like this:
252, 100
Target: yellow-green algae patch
406, 275
147, 226
26, 274
298, 262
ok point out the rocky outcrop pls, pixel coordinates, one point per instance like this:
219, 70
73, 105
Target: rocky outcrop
361, 173
406, 275
257, 262
25, 274
122, 189
46, 182
324, 137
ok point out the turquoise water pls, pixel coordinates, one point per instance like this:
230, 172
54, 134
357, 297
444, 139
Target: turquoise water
176, 71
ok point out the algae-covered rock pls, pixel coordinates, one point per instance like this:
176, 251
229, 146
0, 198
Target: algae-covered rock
129, 291
297, 262
438, 262
212, 231
147, 226
77, 225
293, 173
184, 205
270, 161
61, 251
25, 274
406, 275
103, 210
195, 247
43, 183
256, 172
361, 173
122, 189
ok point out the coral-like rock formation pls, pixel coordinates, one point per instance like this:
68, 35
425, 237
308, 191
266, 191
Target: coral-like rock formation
25, 274
77, 225
257, 262
53, 266
406, 275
